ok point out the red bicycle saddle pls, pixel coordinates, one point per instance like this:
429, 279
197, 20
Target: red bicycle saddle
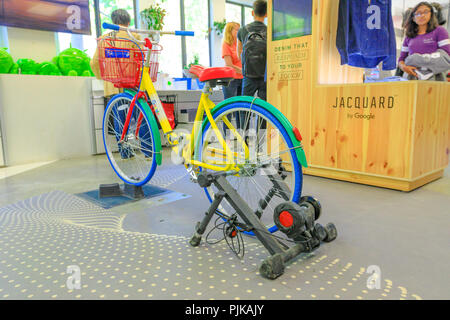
215, 73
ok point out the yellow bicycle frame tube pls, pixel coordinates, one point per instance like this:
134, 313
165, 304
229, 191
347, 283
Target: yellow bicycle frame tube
205, 106
147, 85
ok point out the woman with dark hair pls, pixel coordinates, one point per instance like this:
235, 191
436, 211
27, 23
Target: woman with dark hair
423, 36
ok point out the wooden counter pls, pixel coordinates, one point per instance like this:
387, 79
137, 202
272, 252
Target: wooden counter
392, 134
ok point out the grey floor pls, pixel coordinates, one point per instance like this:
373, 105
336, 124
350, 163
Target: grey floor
140, 250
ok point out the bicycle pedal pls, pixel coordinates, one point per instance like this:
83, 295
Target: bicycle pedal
192, 173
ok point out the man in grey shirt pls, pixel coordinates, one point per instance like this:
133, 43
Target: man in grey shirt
252, 85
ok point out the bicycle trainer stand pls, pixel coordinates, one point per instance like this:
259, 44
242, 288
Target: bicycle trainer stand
114, 190
295, 220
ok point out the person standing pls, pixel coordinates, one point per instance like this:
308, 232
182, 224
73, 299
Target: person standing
122, 18
423, 36
253, 69
115, 122
229, 54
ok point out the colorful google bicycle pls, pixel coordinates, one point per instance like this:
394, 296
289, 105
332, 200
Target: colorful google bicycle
246, 137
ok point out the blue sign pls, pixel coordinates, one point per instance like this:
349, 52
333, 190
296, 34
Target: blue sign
117, 53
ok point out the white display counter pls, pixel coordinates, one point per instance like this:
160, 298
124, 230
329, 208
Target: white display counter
2, 160
45, 118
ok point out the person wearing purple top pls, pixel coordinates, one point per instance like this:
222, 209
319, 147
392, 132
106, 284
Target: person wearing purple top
423, 36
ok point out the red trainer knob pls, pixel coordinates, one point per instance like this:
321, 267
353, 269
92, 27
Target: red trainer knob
286, 219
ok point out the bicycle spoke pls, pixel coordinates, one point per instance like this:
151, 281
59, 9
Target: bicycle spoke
135, 155
263, 178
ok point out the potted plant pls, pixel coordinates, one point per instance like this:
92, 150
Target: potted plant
194, 62
153, 17
219, 26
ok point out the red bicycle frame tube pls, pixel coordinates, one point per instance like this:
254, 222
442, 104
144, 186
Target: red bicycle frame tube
130, 112
138, 125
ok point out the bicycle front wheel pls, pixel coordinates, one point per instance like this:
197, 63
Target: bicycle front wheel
132, 159
268, 173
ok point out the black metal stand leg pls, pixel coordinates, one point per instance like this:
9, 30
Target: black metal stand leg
247, 214
114, 190
273, 266
201, 226
133, 191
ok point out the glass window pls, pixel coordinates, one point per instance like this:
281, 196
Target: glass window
3, 37
82, 42
170, 59
233, 13
248, 15
196, 19
108, 6
89, 43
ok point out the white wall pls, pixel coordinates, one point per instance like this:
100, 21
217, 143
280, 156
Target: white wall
35, 44
247, 2
45, 118
2, 161
143, 4
3, 37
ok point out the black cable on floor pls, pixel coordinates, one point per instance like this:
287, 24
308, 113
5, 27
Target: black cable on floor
228, 227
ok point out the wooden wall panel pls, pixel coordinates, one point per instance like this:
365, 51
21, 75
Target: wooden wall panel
432, 128
328, 62
400, 146
363, 139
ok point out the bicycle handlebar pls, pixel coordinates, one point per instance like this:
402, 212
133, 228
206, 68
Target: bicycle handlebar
110, 26
184, 33
117, 28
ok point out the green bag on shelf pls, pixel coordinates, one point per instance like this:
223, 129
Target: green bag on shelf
74, 62
6, 61
28, 66
14, 69
48, 69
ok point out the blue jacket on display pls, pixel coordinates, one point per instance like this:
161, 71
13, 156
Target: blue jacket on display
365, 35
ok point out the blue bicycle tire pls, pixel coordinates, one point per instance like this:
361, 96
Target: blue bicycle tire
153, 162
297, 166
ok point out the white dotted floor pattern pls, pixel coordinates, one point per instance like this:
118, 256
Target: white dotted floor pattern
166, 176
42, 236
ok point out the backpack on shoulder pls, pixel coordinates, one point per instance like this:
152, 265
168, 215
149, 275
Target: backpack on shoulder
254, 54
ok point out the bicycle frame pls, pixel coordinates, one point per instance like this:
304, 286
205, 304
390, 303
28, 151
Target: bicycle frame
205, 107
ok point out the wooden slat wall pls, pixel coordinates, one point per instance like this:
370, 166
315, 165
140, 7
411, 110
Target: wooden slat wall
432, 128
401, 147
359, 145
328, 61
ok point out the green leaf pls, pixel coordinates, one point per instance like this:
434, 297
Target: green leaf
220, 26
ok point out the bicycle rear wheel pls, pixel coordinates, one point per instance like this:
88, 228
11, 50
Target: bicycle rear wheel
272, 173
134, 159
